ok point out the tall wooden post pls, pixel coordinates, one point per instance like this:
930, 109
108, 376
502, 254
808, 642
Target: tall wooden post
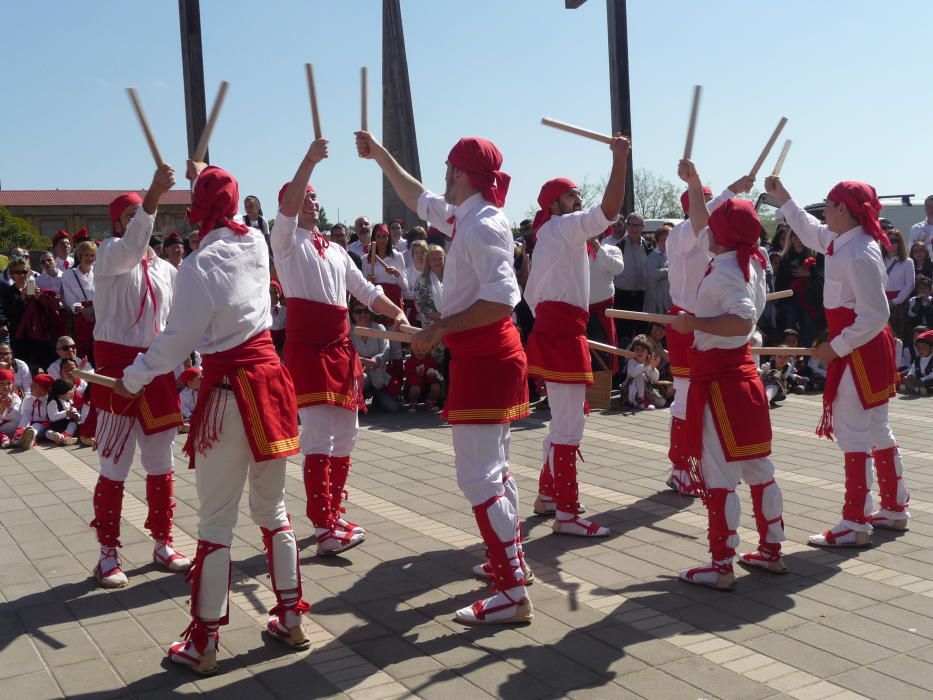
192, 63
398, 120
619, 88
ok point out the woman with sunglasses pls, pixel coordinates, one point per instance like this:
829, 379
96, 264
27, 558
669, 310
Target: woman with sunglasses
13, 301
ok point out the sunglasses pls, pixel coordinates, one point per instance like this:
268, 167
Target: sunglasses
18, 272
67, 347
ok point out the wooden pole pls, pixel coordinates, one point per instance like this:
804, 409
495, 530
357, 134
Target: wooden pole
783, 294
92, 378
312, 93
692, 125
640, 316
144, 123
201, 150
800, 352
768, 146
611, 349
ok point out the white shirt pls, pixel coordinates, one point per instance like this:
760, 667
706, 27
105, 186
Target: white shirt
33, 410
305, 275
395, 260
560, 266
22, 377
374, 349
77, 287
926, 368
412, 274
632, 277
119, 274
921, 231
279, 316
64, 263
55, 369
854, 276
46, 281
688, 255
725, 291
901, 278
603, 268
189, 398
480, 258
225, 288
357, 247
12, 414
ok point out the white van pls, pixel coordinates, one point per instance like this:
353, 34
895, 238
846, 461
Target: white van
902, 210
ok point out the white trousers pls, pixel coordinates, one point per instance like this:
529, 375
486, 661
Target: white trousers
859, 429
566, 402
481, 458
155, 451
679, 405
328, 430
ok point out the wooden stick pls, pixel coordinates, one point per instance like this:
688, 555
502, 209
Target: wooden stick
315, 117
92, 378
640, 316
768, 146
144, 123
364, 100
692, 126
801, 352
571, 129
201, 150
780, 160
384, 335
784, 294
611, 349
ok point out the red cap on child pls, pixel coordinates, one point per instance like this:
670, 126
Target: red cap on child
44, 380
189, 374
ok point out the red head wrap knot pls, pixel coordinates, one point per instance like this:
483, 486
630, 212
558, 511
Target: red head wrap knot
685, 199
862, 202
214, 201
551, 191
481, 160
735, 226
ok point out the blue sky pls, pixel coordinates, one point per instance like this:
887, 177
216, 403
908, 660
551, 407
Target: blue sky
847, 74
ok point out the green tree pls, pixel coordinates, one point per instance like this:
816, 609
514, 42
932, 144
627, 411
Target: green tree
322, 223
656, 197
15, 231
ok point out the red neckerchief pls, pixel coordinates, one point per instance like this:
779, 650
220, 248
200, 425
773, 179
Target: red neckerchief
320, 243
453, 222
148, 293
591, 250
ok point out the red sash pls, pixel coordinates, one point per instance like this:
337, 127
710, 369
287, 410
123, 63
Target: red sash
679, 347
557, 349
264, 394
892, 295
393, 291
598, 311
158, 408
728, 381
873, 366
320, 355
488, 375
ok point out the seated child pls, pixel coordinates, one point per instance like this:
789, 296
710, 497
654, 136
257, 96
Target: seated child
423, 380
63, 416
919, 379
773, 376
665, 385
191, 379
10, 405
87, 422
920, 306
34, 419
642, 375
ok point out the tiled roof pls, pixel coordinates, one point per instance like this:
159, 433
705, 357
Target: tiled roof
74, 198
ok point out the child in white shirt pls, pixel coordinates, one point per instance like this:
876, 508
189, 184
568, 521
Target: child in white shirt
10, 405
34, 419
642, 372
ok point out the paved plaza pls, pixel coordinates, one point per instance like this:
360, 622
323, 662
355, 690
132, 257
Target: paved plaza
611, 620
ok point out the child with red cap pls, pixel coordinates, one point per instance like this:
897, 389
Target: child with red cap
727, 433
862, 370
190, 379
61, 247
10, 407
34, 418
558, 294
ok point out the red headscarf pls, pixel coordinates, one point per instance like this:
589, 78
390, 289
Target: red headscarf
61, 235
6, 375
481, 160
81, 236
862, 202
551, 191
735, 226
925, 337
285, 187
120, 205
685, 199
214, 201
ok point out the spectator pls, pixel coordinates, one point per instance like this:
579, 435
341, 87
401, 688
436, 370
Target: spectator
13, 306
62, 415
17, 254
437, 237
779, 239
429, 290
66, 349
920, 254
630, 283
417, 233
920, 306
194, 239
423, 380
801, 270
385, 266
87, 415
363, 232
657, 286
374, 356
279, 315
61, 247
338, 235
922, 231
919, 379
901, 282
642, 376
78, 297
22, 377
10, 405
399, 244
155, 242
605, 263
418, 260
51, 276
174, 249
253, 216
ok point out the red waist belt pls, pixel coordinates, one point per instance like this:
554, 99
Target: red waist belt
488, 375
679, 347
557, 349
873, 366
157, 408
728, 381
320, 355
264, 394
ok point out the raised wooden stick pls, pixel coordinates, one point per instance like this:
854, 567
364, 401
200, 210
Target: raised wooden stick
640, 316
201, 150
768, 146
312, 93
92, 378
144, 123
571, 129
783, 294
781, 158
801, 352
364, 100
692, 126
611, 349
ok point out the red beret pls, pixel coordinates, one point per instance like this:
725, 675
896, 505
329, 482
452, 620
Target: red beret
6, 375
925, 337
189, 374
43, 380
172, 238
62, 234
81, 236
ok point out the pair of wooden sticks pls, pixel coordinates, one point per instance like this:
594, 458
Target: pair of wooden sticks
364, 100
691, 132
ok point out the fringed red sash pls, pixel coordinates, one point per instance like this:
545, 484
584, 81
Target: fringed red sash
873, 366
158, 408
488, 375
320, 355
264, 394
557, 349
598, 311
679, 347
728, 381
